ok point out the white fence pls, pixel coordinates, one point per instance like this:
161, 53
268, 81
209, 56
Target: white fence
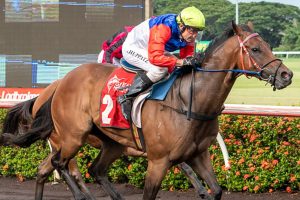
286, 53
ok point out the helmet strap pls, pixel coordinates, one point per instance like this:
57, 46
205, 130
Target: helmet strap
184, 27
182, 22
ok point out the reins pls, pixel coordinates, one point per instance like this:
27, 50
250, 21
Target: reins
204, 117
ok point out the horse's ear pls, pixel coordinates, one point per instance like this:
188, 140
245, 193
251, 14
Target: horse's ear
236, 28
250, 25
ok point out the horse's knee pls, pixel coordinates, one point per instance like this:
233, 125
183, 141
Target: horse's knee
57, 162
74, 171
44, 169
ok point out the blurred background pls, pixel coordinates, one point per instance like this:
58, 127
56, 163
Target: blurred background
42, 40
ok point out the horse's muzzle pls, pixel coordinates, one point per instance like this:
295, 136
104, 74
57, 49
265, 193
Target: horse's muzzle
283, 79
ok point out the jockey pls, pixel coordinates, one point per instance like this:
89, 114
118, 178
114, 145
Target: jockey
148, 44
112, 48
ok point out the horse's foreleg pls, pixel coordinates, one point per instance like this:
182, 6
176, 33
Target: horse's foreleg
74, 171
188, 171
44, 171
156, 171
203, 167
60, 163
109, 153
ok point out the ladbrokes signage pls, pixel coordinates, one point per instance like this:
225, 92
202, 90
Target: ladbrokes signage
12, 96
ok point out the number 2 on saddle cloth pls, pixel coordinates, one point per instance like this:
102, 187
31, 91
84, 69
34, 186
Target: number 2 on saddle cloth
110, 109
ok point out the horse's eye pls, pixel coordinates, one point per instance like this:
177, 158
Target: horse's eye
255, 49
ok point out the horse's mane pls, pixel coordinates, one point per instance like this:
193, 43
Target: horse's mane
216, 42
227, 33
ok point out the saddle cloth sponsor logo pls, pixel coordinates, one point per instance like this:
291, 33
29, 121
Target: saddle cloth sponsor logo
110, 110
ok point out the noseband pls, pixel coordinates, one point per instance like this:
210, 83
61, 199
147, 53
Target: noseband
272, 78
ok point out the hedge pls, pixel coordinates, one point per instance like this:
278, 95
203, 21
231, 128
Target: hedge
264, 157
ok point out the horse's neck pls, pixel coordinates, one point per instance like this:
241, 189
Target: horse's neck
210, 89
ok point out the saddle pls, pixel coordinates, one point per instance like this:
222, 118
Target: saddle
117, 84
129, 67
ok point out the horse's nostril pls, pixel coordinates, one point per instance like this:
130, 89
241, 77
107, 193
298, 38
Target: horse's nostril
285, 75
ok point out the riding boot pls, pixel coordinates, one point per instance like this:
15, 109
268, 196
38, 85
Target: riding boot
140, 83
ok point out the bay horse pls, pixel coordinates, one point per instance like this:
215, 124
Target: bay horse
19, 120
170, 138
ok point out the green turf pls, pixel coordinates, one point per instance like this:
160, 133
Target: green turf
253, 91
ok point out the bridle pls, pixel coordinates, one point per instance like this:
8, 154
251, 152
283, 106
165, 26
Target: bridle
271, 79
251, 60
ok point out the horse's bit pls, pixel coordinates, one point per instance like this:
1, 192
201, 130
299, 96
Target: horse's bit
251, 60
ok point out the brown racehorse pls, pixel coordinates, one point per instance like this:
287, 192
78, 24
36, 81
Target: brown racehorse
170, 138
23, 115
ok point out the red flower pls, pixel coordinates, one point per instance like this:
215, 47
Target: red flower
252, 169
264, 164
274, 162
246, 176
270, 190
227, 140
80, 155
256, 188
253, 137
293, 178
286, 143
20, 178
171, 189
5, 167
241, 161
288, 189
237, 142
129, 167
225, 168
176, 170
260, 151
245, 188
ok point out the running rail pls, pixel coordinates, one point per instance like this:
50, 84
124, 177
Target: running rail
261, 110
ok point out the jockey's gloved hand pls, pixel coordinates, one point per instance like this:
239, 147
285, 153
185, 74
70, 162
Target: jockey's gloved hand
191, 61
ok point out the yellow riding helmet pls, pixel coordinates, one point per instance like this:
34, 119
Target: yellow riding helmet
193, 17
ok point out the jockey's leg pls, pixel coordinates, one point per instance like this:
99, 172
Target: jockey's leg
140, 83
139, 58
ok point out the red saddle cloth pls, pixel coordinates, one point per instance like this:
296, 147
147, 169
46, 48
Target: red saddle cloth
110, 110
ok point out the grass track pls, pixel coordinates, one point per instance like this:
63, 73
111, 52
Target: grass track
253, 91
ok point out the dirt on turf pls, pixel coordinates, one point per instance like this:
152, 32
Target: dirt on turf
12, 189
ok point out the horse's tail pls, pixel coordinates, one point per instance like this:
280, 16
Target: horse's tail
18, 118
41, 128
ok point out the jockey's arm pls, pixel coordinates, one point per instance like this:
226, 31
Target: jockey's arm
159, 36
